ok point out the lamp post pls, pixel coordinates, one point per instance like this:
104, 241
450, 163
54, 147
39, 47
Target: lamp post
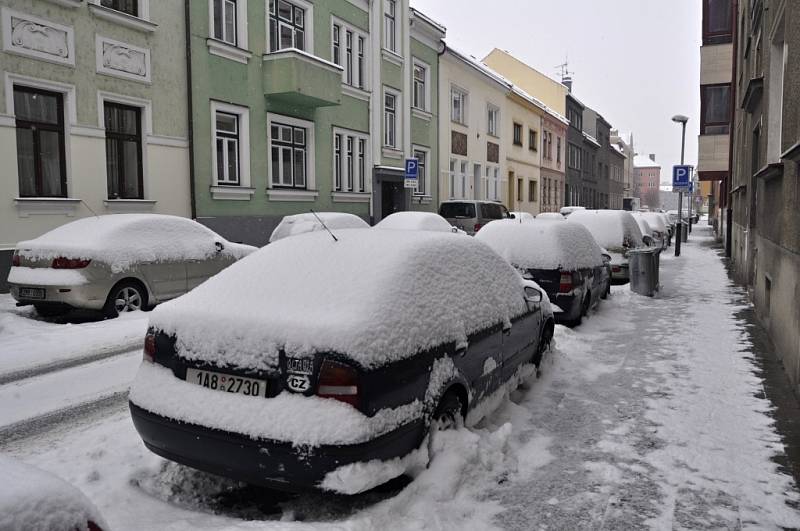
680, 119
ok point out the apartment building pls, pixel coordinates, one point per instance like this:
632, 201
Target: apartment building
647, 180
93, 113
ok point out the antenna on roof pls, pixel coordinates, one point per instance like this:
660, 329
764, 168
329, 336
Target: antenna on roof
565, 73
324, 226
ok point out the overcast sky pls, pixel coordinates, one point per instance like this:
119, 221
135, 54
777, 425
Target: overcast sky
636, 62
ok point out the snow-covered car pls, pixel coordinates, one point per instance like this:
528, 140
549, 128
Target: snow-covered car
317, 363
519, 215
563, 258
551, 215
658, 228
417, 221
117, 263
567, 210
31, 498
313, 221
647, 231
617, 232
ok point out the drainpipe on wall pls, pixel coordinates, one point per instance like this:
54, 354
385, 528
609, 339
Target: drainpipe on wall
728, 184
186, 9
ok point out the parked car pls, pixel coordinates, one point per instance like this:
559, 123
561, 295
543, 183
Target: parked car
32, 499
313, 221
117, 263
551, 215
616, 231
312, 356
469, 215
427, 221
658, 229
562, 258
647, 231
567, 210
522, 216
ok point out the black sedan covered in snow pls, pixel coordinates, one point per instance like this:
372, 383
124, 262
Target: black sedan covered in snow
316, 363
563, 258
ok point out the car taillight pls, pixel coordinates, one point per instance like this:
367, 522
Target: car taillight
565, 283
477, 227
69, 263
338, 381
149, 352
15, 260
616, 269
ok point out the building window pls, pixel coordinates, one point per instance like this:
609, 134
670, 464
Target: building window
129, 7
41, 157
227, 148
558, 150
337, 162
533, 142
715, 109
532, 191
287, 26
225, 21
493, 120
362, 164
390, 25
348, 52
717, 21
422, 177
520, 189
574, 160
389, 120
458, 106
420, 100
123, 151
289, 152
517, 134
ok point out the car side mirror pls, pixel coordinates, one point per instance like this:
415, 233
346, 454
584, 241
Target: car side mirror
220, 247
648, 240
606, 257
533, 294
512, 216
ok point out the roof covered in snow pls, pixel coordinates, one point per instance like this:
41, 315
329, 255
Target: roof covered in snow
121, 240
642, 161
415, 221
375, 296
613, 229
310, 222
542, 244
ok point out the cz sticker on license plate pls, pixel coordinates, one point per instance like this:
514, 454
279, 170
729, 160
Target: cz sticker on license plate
31, 293
227, 383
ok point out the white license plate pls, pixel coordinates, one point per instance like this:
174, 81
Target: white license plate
31, 293
227, 383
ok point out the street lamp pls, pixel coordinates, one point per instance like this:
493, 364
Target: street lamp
680, 119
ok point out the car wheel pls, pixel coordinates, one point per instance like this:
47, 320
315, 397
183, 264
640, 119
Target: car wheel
587, 302
125, 296
49, 311
448, 414
607, 290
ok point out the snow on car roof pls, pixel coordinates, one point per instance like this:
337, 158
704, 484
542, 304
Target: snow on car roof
415, 221
308, 222
520, 215
654, 219
611, 229
31, 498
121, 240
551, 215
375, 295
543, 244
644, 226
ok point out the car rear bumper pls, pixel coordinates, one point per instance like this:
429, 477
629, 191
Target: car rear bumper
570, 304
620, 273
269, 463
88, 296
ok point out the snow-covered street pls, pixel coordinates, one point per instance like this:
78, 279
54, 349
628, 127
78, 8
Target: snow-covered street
648, 415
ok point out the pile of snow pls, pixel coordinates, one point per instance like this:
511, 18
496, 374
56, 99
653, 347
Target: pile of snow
39, 276
544, 244
375, 295
310, 222
522, 216
616, 230
551, 215
122, 240
416, 221
34, 499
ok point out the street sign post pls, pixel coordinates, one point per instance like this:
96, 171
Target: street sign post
412, 173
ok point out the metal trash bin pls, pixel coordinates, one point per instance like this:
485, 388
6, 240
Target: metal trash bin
644, 264
684, 231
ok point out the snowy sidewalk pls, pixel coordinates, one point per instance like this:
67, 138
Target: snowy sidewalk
647, 415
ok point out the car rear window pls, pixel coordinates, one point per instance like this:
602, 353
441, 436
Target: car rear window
491, 211
457, 210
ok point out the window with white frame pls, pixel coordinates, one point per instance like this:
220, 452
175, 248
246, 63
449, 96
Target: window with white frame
493, 120
226, 21
390, 25
421, 155
458, 179
291, 145
458, 105
350, 151
231, 144
287, 25
349, 49
420, 85
390, 128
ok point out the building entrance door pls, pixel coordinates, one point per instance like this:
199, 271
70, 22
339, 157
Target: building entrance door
393, 196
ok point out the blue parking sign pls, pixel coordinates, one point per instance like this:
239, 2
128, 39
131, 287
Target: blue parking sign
680, 178
412, 168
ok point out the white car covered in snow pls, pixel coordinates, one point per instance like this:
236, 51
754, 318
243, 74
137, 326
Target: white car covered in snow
117, 263
315, 221
616, 231
317, 363
427, 221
